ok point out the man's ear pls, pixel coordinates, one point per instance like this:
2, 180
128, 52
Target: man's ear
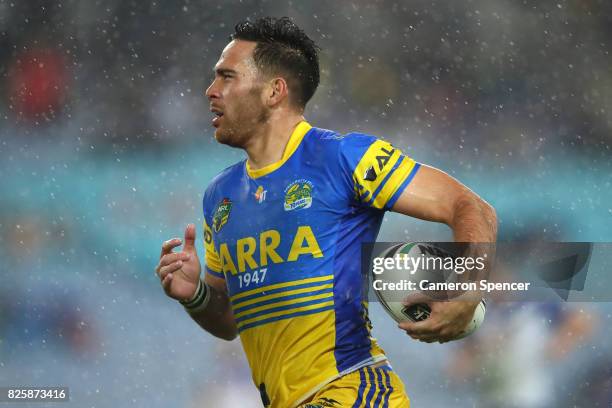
277, 91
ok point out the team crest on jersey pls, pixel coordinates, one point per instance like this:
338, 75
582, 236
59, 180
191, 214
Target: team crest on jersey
222, 214
298, 195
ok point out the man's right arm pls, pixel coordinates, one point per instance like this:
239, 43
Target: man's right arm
179, 273
217, 318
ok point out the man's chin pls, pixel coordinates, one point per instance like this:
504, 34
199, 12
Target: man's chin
226, 138
220, 136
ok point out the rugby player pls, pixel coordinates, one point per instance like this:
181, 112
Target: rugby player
283, 229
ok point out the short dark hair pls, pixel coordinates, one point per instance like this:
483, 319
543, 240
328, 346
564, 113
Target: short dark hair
283, 48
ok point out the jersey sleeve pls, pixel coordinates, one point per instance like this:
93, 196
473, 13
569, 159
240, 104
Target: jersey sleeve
211, 256
378, 171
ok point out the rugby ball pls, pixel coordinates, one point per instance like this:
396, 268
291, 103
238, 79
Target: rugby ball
393, 283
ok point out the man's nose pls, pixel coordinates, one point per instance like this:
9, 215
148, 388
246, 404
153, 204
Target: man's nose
212, 91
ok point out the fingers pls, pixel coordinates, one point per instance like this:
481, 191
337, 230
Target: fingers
170, 259
166, 281
416, 298
173, 267
446, 321
171, 262
190, 236
423, 338
173, 257
425, 327
169, 245
428, 331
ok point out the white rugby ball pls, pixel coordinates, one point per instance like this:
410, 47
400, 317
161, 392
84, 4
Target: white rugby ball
391, 299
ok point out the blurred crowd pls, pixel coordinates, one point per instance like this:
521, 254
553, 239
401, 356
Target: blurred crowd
106, 148
501, 75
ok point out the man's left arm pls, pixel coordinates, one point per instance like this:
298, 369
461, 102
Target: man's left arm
433, 195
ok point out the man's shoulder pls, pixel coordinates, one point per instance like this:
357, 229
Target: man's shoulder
334, 135
229, 172
225, 177
333, 140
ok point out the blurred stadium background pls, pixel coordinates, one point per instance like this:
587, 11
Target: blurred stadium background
106, 148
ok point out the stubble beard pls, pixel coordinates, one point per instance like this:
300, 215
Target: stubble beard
239, 132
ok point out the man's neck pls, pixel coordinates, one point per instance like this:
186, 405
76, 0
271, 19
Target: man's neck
268, 143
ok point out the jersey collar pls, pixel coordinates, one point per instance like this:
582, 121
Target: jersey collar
294, 141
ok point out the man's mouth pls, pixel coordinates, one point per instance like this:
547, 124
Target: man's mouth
217, 118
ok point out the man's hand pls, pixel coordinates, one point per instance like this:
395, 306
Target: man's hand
446, 321
179, 272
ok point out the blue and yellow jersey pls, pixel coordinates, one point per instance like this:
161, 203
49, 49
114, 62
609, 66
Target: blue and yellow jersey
286, 239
